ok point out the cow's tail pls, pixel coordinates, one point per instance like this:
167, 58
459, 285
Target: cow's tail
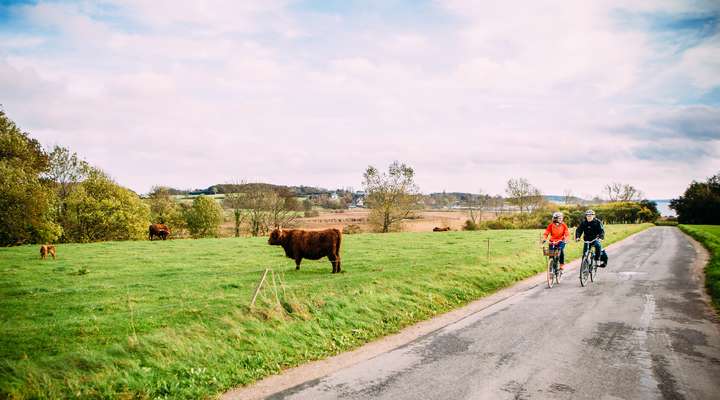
337, 249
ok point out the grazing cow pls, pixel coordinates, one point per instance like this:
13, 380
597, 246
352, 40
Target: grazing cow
159, 230
313, 245
47, 249
445, 229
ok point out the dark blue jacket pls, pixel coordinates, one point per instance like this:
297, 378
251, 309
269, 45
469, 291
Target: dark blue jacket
591, 230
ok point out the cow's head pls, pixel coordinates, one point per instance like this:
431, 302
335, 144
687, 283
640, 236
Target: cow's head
276, 236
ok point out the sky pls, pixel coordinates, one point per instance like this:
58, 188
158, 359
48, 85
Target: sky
571, 95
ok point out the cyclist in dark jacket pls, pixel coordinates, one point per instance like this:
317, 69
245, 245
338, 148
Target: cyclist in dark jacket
591, 229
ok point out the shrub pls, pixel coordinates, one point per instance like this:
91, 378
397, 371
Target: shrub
470, 225
204, 217
311, 214
351, 229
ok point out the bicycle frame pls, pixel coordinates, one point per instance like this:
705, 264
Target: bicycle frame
589, 260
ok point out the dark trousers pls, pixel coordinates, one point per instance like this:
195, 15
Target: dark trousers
598, 249
560, 246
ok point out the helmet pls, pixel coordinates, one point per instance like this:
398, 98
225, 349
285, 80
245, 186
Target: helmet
557, 215
589, 212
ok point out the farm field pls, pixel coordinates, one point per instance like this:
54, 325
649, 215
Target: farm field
709, 236
171, 319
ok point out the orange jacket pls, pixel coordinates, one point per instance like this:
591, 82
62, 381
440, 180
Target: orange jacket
557, 233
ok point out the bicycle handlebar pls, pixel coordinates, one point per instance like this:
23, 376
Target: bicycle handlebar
592, 240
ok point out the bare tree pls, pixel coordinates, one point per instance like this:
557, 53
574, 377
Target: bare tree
391, 196
622, 192
280, 210
262, 209
523, 195
476, 205
234, 202
567, 196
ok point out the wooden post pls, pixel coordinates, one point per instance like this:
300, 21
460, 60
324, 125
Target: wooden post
488, 252
257, 289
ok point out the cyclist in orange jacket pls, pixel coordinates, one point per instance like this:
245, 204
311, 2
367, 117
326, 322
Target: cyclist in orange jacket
559, 235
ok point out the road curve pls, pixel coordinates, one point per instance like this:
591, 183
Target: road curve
643, 331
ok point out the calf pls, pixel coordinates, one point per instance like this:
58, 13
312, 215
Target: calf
445, 229
313, 245
47, 249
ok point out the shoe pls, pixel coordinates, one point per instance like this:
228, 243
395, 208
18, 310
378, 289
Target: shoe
603, 265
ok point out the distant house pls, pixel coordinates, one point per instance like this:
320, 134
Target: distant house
358, 199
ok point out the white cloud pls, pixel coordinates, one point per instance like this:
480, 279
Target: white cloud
189, 95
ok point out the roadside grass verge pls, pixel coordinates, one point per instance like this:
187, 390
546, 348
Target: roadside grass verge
170, 319
709, 236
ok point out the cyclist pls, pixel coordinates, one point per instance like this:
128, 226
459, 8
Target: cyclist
559, 235
592, 229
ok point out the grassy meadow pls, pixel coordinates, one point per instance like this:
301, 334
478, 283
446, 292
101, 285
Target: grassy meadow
709, 236
170, 319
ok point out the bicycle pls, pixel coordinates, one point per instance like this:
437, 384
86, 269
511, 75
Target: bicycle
554, 273
589, 265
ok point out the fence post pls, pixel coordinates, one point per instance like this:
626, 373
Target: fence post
488, 252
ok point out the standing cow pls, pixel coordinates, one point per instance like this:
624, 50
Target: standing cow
159, 230
313, 245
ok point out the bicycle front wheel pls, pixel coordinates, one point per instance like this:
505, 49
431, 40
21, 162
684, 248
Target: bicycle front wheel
550, 273
584, 272
593, 271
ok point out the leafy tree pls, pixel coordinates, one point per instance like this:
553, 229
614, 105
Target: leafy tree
700, 204
204, 217
27, 201
165, 210
98, 209
391, 196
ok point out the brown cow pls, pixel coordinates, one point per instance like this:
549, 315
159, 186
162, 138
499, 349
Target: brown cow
159, 230
313, 245
47, 249
445, 229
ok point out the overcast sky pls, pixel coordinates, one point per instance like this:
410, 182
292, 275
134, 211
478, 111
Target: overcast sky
569, 94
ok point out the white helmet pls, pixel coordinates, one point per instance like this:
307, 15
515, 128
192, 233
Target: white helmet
589, 212
557, 215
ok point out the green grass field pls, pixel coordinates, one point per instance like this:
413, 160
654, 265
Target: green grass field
171, 319
709, 236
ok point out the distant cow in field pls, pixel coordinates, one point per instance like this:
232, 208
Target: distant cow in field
159, 230
445, 229
313, 245
47, 249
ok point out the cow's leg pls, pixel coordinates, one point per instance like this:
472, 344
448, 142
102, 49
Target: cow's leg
297, 263
335, 261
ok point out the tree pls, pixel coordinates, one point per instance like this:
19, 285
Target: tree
265, 209
27, 201
622, 192
567, 196
476, 205
98, 209
391, 196
66, 169
204, 217
234, 202
523, 195
164, 209
280, 210
700, 204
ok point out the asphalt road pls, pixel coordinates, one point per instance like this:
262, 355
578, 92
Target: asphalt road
642, 331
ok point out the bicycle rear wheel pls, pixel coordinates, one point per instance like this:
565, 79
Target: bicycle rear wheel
584, 271
550, 273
